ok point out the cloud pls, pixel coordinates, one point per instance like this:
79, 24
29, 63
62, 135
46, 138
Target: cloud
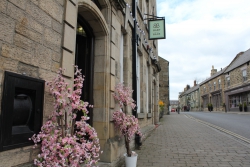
199, 34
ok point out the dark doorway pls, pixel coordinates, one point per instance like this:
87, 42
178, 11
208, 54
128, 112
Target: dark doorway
84, 59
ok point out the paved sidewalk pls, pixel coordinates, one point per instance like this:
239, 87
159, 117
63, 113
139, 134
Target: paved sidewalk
182, 142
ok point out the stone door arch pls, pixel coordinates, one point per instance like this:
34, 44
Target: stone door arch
101, 66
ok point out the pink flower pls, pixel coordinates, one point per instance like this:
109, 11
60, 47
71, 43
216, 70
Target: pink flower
61, 145
123, 95
127, 124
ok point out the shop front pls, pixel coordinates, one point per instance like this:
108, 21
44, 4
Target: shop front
205, 100
216, 100
236, 97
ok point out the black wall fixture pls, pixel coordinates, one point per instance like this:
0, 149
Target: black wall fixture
22, 110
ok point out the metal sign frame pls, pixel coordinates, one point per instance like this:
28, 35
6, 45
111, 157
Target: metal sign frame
157, 28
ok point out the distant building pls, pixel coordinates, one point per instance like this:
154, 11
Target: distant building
212, 90
183, 100
174, 103
193, 97
237, 82
229, 87
164, 83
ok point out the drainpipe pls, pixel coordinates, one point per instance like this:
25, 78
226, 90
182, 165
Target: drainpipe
134, 57
134, 68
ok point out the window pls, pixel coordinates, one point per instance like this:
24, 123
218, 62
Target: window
121, 59
219, 84
204, 89
210, 86
244, 74
228, 81
214, 85
205, 101
22, 110
138, 83
235, 100
248, 97
145, 11
147, 92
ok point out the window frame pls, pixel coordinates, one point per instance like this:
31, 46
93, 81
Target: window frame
219, 83
244, 75
14, 83
228, 81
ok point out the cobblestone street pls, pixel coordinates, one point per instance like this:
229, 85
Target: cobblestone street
182, 142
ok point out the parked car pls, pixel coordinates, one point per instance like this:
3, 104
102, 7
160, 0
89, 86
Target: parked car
173, 110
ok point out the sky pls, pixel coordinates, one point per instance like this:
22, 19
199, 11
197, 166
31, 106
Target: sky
201, 34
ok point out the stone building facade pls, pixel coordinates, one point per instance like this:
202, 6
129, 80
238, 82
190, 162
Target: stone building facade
193, 97
227, 89
212, 90
189, 99
37, 37
173, 104
182, 100
164, 83
237, 82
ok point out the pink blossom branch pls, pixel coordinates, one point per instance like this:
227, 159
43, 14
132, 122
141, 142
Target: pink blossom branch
59, 147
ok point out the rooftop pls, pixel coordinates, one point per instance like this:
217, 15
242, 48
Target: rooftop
243, 58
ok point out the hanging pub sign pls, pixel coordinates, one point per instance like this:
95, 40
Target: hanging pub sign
156, 29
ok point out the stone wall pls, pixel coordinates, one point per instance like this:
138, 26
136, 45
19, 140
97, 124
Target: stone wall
164, 83
236, 78
237, 85
30, 44
209, 92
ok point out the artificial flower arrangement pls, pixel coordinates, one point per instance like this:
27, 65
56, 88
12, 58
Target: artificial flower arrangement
65, 141
127, 124
161, 105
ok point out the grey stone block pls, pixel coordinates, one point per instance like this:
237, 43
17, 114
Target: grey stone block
53, 9
22, 29
20, 3
3, 6
6, 29
28, 70
58, 27
38, 14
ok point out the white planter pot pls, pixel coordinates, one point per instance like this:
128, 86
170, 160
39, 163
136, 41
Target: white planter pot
131, 161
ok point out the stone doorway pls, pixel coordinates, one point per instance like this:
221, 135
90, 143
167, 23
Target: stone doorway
84, 59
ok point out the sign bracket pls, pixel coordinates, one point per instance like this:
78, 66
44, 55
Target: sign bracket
153, 17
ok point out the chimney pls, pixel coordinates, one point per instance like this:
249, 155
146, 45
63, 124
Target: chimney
194, 82
213, 71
